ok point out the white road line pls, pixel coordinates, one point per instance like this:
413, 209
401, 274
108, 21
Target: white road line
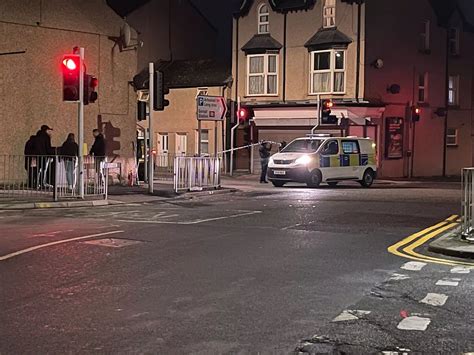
435, 299
448, 282
197, 221
397, 277
460, 270
350, 314
414, 323
41, 246
413, 266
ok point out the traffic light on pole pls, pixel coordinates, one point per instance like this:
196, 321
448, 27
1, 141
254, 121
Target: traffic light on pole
243, 114
141, 110
71, 69
90, 87
159, 92
415, 114
326, 117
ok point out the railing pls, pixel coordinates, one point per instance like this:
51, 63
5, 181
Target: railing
467, 226
196, 173
42, 178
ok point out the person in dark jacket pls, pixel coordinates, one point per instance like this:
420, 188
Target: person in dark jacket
98, 151
30, 162
69, 152
265, 149
45, 152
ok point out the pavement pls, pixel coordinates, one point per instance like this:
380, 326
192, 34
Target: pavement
258, 270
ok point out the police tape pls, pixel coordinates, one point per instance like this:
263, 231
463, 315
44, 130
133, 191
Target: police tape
248, 146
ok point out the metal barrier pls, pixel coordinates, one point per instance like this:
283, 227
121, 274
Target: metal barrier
196, 173
467, 226
42, 178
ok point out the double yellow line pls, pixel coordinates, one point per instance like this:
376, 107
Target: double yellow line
406, 247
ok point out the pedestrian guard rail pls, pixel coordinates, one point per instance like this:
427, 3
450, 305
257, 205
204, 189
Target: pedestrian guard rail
52, 177
196, 173
467, 213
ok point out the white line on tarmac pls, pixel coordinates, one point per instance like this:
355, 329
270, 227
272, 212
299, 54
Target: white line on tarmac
197, 221
460, 270
41, 246
414, 323
413, 266
435, 299
448, 282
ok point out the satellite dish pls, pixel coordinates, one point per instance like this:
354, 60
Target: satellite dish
126, 35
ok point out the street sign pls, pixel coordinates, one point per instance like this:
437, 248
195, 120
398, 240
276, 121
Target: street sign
210, 108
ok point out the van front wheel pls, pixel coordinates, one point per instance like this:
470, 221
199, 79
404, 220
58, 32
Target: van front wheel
367, 178
314, 179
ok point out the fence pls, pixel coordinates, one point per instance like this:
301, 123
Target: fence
43, 178
196, 173
467, 227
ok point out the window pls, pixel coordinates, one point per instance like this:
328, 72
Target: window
425, 36
329, 13
453, 37
422, 87
262, 74
204, 141
327, 74
350, 147
302, 146
331, 148
453, 88
263, 19
452, 137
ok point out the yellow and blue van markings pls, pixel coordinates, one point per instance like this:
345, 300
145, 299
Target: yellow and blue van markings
334, 161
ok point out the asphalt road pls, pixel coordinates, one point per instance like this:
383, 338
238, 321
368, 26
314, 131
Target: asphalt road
261, 270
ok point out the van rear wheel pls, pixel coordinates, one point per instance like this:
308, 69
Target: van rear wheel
367, 178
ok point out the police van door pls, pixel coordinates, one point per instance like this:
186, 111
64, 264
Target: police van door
350, 159
329, 159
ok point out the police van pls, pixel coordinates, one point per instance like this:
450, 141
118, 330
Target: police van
315, 159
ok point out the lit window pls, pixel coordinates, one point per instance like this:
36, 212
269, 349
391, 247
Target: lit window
263, 19
329, 13
425, 36
452, 137
453, 34
453, 89
423, 87
327, 72
204, 141
262, 74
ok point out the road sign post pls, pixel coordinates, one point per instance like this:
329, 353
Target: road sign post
81, 123
151, 162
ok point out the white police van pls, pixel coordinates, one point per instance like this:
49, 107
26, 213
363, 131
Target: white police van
316, 159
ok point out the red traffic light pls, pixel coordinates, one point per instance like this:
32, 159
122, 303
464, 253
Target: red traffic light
94, 82
71, 62
242, 114
417, 110
327, 104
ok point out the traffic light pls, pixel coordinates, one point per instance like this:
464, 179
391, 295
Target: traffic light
90, 86
326, 117
415, 113
141, 110
71, 69
243, 114
159, 92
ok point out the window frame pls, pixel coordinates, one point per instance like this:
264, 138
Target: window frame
265, 74
454, 89
260, 23
332, 70
423, 87
356, 142
205, 141
425, 37
455, 136
329, 14
454, 40
326, 145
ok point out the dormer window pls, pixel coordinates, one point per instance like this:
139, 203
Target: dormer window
263, 21
329, 13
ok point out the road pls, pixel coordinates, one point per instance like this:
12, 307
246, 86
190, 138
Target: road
260, 270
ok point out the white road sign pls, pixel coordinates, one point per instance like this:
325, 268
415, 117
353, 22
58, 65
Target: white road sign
211, 108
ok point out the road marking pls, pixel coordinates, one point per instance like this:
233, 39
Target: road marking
413, 266
414, 323
398, 277
460, 270
448, 282
197, 221
435, 299
416, 240
350, 314
41, 246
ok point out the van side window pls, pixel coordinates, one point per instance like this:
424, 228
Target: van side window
331, 148
350, 147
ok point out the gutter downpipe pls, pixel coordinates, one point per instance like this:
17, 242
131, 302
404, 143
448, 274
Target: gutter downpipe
284, 56
357, 83
232, 133
445, 128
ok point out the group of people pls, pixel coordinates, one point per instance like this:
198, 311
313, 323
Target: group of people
40, 164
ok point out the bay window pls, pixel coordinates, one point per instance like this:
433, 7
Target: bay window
327, 72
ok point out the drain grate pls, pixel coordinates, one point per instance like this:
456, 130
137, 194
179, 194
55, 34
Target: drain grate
113, 242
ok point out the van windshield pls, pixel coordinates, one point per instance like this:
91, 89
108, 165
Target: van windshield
302, 146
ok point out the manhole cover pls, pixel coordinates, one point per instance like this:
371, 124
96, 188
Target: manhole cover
113, 242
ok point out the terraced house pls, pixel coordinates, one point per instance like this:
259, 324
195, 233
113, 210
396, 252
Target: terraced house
377, 60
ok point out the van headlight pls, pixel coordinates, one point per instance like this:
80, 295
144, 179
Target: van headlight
303, 160
270, 161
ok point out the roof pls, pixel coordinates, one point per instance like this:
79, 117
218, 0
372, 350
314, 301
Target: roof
326, 38
188, 74
277, 5
445, 9
123, 8
261, 43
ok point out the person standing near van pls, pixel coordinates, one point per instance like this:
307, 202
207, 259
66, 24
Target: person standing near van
69, 152
265, 152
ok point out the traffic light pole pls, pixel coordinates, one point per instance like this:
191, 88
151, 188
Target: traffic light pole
151, 71
318, 114
232, 132
81, 124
